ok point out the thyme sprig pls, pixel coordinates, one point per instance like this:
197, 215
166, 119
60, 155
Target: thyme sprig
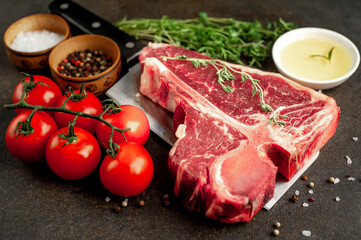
110, 106
328, 57
225, 73
244, 42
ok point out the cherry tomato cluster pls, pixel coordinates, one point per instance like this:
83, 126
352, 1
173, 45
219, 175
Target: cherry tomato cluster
73, 152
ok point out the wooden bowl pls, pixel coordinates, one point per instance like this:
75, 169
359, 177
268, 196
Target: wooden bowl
39, 59
96, 84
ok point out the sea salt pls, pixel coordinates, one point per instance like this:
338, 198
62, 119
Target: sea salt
35, 41
297, 192
306, 233
337, 180
125, 202
310, 191
305, 204
351, 179
355, 139
348, 160
107, 199
337, 199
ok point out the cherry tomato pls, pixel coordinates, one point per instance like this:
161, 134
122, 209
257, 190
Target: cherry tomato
129, 173
74, 160
130, 117
31, 147
90, 105
40, 95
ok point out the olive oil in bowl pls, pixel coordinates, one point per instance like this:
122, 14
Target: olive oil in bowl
303, 55
318, 59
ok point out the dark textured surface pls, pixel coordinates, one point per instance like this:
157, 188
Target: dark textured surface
35, 204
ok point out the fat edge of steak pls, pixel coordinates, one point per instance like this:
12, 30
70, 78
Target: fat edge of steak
159, 86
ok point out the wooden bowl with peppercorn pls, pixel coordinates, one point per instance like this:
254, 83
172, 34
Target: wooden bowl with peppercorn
29, 40
90, 59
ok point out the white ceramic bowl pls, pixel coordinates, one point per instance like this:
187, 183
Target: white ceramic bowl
310, 32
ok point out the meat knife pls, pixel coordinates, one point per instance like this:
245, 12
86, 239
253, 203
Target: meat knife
126, 89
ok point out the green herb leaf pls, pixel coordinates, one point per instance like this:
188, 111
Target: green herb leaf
328, 57
227, 89
226, 72
225, 38
330, 53
197, 64
254, 91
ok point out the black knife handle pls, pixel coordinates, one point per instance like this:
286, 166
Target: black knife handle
89, 23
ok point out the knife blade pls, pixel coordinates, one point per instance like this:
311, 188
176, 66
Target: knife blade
83, 21
126, 89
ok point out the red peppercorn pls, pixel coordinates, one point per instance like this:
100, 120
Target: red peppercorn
311, 199
85, 63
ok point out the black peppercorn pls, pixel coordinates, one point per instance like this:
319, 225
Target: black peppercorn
140, 203
84, 63
295, 198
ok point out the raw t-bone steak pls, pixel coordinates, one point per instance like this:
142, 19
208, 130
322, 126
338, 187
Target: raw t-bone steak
226, 158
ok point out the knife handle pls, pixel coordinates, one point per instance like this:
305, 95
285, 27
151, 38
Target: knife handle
89, 23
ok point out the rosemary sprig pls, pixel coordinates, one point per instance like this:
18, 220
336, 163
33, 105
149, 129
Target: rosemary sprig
244, 42
224, 73
328, 57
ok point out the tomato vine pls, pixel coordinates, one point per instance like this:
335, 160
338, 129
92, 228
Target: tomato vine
110, 106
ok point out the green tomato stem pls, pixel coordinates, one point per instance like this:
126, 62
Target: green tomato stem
27, 129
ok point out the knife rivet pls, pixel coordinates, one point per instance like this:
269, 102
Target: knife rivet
96, 24
64, 6
129, 45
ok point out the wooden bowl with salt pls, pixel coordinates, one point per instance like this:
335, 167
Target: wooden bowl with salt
97, 83
30, 40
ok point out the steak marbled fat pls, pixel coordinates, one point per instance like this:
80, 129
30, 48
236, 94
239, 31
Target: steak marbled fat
226, 157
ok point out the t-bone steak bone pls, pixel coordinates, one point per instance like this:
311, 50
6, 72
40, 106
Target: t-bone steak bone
226, 157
